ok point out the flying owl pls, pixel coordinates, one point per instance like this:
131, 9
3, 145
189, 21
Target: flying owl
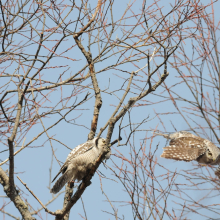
187, 147
78, 161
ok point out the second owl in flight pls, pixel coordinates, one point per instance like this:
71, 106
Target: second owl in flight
187, 147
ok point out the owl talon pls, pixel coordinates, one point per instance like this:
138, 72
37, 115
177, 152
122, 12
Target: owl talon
89, 183
71, 184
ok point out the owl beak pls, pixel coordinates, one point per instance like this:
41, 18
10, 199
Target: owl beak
216, 159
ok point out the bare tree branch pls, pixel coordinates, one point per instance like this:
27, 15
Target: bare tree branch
45, 208
14, 196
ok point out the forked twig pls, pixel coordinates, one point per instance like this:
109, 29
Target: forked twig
45, 208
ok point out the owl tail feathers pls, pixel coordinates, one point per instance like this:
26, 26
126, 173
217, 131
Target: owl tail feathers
66, 177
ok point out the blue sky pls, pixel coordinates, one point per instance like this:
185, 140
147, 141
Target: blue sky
32, 164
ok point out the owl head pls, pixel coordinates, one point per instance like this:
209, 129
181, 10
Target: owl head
212, 154
100, 143
211, 157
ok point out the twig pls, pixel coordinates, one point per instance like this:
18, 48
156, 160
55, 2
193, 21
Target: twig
15, 198
84, 208
45, 208
9, 214
98, 98
90, 22
120, 103
116, 141
63, 117
50, 201
113, 208
67, 197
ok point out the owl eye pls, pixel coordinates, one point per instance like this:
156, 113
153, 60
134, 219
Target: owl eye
103, 141
210, 154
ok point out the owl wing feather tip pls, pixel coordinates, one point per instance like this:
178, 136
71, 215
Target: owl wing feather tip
56, 176
60, 182
62, 170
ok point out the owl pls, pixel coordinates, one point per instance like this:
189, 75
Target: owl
79, 160
187, 147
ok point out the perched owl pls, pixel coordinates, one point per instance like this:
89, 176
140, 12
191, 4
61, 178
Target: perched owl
78, 161
187, 147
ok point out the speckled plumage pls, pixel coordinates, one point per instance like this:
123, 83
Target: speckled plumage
79, 161
187, 147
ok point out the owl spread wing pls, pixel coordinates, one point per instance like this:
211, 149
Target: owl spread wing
184, 148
